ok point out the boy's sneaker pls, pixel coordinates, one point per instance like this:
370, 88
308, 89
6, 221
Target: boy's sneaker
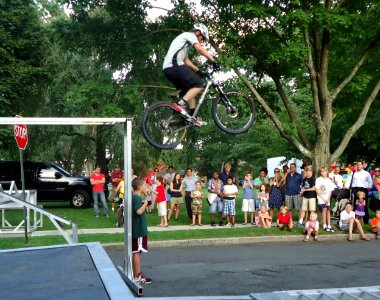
141, 279
316, 239
221, 223
306, 239
289, 229
328, 229
212, 223
298, 224
232, 224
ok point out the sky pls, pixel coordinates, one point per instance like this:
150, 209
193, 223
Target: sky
166, 4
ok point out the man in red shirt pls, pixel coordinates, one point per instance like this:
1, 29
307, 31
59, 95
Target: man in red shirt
116, 176
97, 182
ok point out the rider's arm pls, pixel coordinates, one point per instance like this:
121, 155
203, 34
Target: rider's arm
203, 51
191, 65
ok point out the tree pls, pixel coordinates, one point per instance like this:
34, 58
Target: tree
287, 40
22, 50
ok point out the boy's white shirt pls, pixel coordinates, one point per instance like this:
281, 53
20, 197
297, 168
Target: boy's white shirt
229, 189
324, 186
344, 216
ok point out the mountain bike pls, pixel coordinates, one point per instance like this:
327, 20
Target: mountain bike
165, 127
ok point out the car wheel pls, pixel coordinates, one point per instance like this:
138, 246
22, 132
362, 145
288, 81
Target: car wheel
79, 199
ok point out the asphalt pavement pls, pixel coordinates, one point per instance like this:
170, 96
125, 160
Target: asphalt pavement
212, 270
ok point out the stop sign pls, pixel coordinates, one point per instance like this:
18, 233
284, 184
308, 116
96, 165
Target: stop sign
21, 135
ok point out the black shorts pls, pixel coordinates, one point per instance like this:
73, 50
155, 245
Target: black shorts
183, 78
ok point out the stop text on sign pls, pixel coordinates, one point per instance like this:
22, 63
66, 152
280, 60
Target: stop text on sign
21, 134
20, 131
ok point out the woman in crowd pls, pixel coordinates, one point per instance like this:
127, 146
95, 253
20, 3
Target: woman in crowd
275, 194
176, 196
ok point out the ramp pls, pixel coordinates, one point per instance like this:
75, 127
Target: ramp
80, 271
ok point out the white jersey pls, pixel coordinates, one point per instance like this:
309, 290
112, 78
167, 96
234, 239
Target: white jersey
179, 48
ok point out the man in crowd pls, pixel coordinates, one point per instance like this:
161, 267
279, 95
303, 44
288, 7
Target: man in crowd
168, 178
361, 181
116, 176
189, 185
293, 189
227, 173
97, 180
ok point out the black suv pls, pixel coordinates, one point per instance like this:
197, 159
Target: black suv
51, 182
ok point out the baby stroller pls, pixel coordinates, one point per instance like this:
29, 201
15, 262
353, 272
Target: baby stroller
342, 198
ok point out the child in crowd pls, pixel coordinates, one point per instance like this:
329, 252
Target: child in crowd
139, 229
263, 219
148, 197
248, 205
375, 224
263, 196
284, 219
360, 204
161, 201
311, 227
348, 222
324, 186
197, 196
309, 196
229, 194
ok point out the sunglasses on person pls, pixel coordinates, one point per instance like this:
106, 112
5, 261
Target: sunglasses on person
376, 171
277, 171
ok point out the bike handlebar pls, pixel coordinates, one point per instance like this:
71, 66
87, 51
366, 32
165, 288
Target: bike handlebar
207, 73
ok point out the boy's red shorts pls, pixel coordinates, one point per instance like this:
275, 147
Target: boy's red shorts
140, 244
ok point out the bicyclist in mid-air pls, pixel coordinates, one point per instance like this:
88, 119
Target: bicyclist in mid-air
180, 71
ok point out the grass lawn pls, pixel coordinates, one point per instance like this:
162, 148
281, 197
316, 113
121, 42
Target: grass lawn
85, 219
19, 242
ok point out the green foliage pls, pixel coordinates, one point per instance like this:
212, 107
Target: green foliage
60, 66
21, 51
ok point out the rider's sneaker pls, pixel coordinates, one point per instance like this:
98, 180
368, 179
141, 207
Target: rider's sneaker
182, 103
181, 110
199, 122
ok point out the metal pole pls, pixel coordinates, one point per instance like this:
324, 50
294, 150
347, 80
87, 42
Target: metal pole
128, 200
23, 195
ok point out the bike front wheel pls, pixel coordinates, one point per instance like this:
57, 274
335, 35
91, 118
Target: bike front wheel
233, 112
162, 126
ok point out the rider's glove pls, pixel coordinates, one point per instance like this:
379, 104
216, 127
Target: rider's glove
216, 66
201, 73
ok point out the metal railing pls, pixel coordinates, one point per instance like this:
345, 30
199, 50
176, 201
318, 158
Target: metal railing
56, 220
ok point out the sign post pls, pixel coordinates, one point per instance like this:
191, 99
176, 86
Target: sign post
21, 136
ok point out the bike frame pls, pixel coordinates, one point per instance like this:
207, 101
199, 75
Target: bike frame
210, 82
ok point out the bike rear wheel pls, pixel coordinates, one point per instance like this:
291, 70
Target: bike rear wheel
162, 126
234, 112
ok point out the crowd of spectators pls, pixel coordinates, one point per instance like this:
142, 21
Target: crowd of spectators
288, 199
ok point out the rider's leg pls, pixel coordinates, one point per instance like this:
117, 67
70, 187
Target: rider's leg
189, 97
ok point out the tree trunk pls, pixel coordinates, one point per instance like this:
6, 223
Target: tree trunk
321, 154
101, 151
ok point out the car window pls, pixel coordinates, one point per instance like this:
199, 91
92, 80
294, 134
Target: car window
46, 172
